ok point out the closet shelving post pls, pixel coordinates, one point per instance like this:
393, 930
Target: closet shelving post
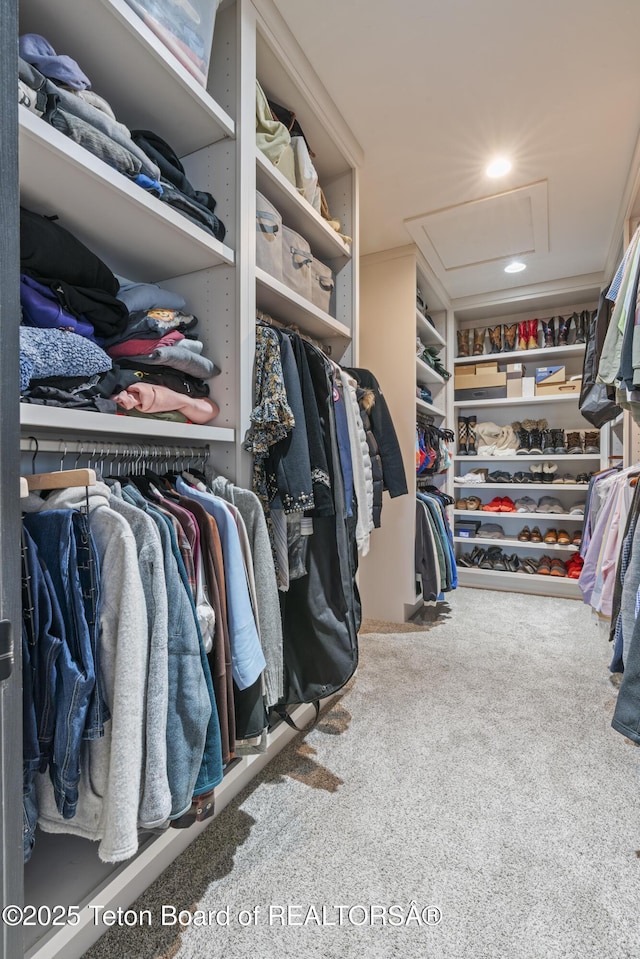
213, 132
391, 325
561, 412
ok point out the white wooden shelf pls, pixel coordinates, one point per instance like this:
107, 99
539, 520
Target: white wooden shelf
143, 237
297, 213
428, 333
425, 407
426, 374
275, 298
517, 401
557, 517
513, 543
525, 487
529, 458
90, 423
147, 87
503, 580
558, 352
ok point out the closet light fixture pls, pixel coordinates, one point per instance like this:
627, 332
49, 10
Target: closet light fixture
498, 167
515, 267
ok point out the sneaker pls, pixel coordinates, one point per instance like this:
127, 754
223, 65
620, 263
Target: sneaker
507, 505
521, 477
577, 510
550, 504
526, 505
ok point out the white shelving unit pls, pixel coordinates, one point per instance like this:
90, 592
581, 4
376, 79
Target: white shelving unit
428, 408
213, 132
515, 543
425, 374
559, 411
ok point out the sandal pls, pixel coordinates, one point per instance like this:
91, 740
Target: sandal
563, 538
551, 537
558, 568
544, 566
513, 563
536, 535
529, 565
474, 502
524, 535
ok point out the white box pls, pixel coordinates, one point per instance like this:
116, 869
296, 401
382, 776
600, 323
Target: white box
528, 386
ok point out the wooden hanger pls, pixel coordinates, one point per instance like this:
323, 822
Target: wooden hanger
61, 479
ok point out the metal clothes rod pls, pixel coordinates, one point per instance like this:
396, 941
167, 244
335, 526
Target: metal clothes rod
78, 447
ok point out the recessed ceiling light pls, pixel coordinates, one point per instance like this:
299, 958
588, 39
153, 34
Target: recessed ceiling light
498, 167
515, 267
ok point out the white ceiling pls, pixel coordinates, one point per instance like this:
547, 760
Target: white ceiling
433, 89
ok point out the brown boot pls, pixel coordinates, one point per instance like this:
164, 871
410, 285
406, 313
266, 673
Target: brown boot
532, 334
523, 335
592, 441
510, 334
464, 337
574, 442
495, 338
478, 342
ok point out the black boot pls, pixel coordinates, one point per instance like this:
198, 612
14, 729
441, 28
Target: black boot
581, 326
565, 326
523, 439
549, 331
559, 446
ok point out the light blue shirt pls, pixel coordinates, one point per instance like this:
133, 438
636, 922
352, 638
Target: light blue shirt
247, 658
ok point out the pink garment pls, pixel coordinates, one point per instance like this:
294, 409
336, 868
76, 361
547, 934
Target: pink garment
159, 399
144, 347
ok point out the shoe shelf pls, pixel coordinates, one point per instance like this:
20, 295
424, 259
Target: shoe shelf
423, 407
529, 457
557, 352
514, 543
525, 487
426, 374
428, 333
557, 517
515, 401
535, 583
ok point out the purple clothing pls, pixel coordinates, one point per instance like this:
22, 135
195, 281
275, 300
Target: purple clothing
38, 51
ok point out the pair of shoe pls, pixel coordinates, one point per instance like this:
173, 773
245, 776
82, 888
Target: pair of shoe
587, 441
574, 566
472, 478
555, 331
527, 535
529, 434
543, 472
499, 476
557, 537
500, 504
469, 503
495, 559
528, 565
431, 356
528, 335
551, 567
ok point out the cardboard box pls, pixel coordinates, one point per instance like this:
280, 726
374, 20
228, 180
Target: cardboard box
515, 368
464, 382
514, 384
466, 528
491, 367
551, 374
528, 386
570, 388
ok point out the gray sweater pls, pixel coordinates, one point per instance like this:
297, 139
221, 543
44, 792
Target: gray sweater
249, 507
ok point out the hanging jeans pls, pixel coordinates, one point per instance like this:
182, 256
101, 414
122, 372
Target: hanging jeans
64, 542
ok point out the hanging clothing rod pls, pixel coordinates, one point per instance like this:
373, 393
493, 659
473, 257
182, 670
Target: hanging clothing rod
93, 449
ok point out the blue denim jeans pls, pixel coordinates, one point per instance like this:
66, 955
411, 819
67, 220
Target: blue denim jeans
57, 534
30, 748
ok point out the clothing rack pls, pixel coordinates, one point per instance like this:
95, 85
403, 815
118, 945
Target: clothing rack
270, 321
140, 454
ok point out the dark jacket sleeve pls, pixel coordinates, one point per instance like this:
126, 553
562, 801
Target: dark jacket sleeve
626, 718
395, 480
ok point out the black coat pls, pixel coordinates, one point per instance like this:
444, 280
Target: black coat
394, 477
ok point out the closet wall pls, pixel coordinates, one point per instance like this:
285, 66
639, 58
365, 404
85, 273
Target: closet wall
213, 132
390, 325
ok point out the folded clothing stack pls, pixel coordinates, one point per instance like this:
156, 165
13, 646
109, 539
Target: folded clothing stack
55, 88
162, 369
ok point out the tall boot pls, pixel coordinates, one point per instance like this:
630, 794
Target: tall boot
510, 334
581, 326
464, 337
495, 338
549, 332
471, 436
535, 444
592, 441
523, 335
463, 434
563, 332
532, 334
478, 342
